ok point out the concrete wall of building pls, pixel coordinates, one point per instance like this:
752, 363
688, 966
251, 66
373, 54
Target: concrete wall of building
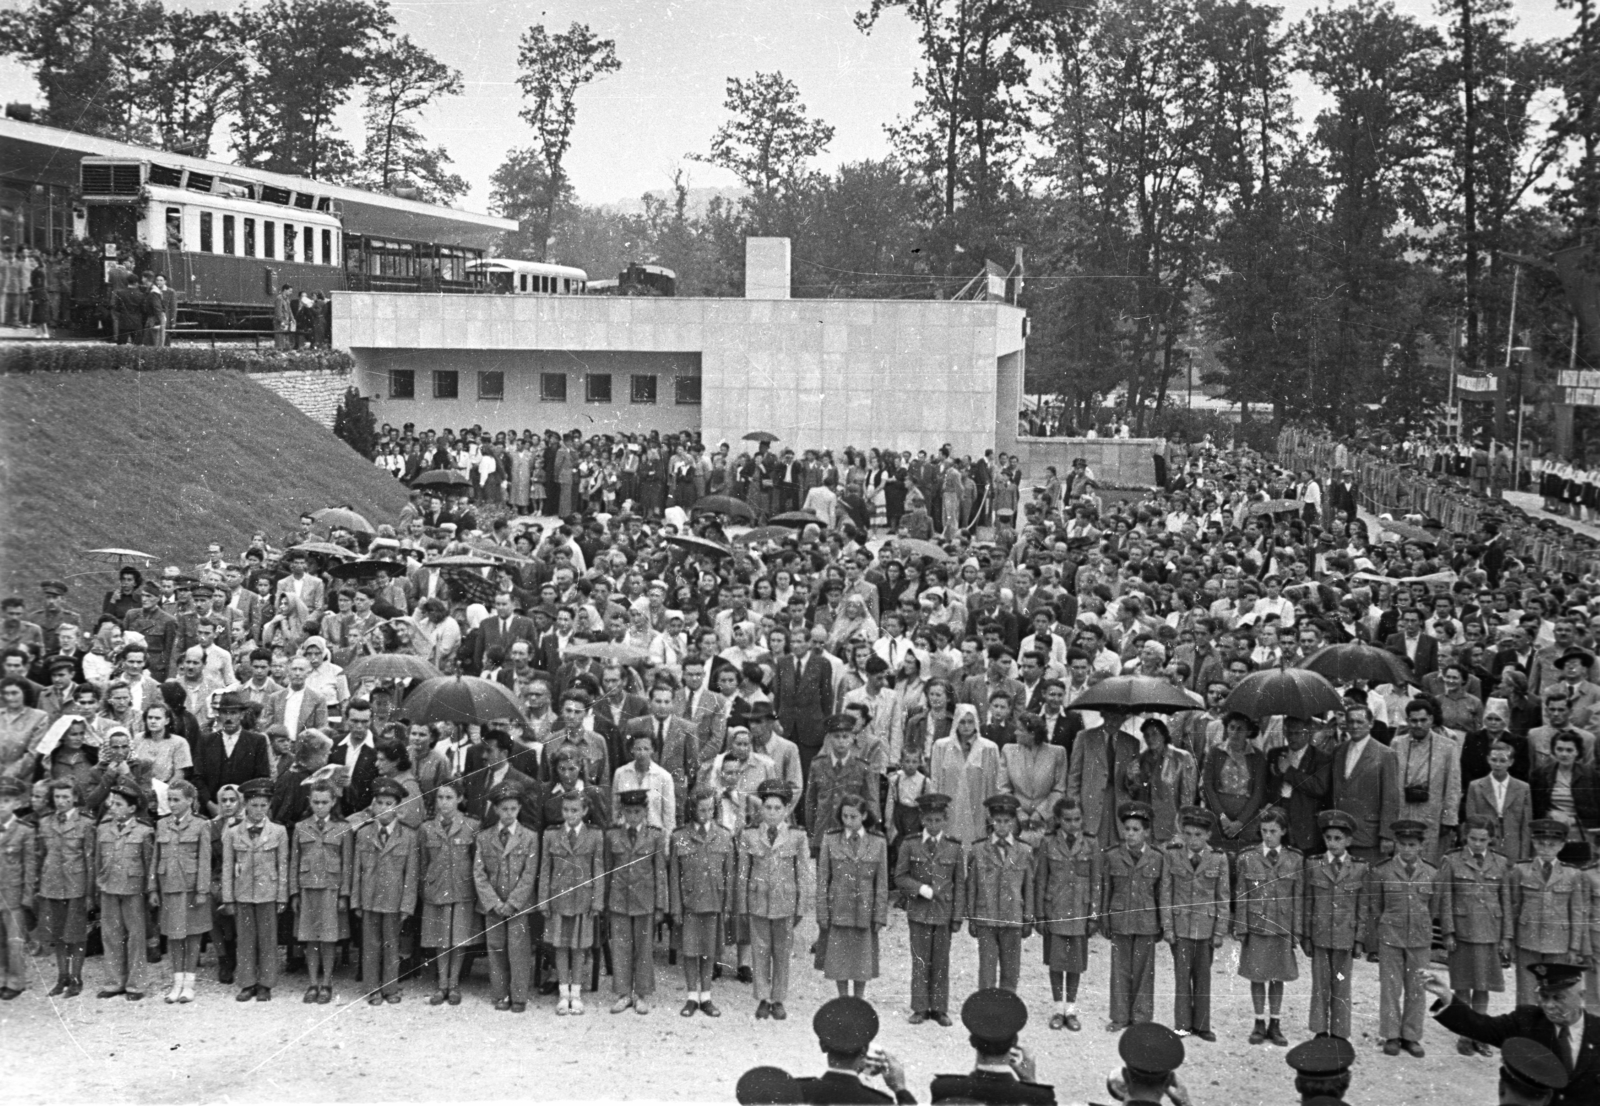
317, 393
1117, 462
522, 404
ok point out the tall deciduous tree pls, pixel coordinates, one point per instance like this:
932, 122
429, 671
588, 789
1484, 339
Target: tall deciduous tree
553, 68
90, 58
770, 138
193, 79
406, 80
520, 189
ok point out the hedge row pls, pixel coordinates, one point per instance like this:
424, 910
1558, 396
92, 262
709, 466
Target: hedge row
62, 357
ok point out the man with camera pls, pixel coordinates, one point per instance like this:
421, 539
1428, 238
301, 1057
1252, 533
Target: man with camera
845, 1028
1428, 763
1004, 1073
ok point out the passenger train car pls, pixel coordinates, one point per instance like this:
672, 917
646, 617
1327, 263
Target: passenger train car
527, 278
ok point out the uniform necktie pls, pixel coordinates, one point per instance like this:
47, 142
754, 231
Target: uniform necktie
633, 835
661, 734
1564, 1046
572, 837
383, 838
1546, 865
505, 837
772, 835
1194, 861
1272, 856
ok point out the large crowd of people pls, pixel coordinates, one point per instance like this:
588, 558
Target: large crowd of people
719, 733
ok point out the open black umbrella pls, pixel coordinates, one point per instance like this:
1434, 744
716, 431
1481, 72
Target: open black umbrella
765, 533
342, 518
699, 545
1356, 660
760, 436
460, 699
1292, 692
323, 549
725, 505
1135, 695
916, 547
391, 666
796, 520
441, 478
366, 570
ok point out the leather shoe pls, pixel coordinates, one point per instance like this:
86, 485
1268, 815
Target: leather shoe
324, 996
502, 1004
1483, 1049
1466, 1047
622, 1004
1391, 1047
943, 1019
778, 1012
392, 1000
641, 1005
245, 995
312, 994
263, 994
454, 998
1058, 1021
438, 998
74, 988
1073, 1024
375, 999
1117, 1027
60, 988
7, 994
1258, 1034
135, 996
709, 1009
917, 1018
225, 974
1275, 1035
1206, 1035
111, 992
519, 1008
689, 1008
1415, 1048
763, 1010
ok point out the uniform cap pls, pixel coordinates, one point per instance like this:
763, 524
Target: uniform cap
773, 789
994, 1015
1141, 811
766, 1086
258, 788
1408, 828
1321, 1056
1336, 819
845, 1024
1548, 828
1002, 804
128, 791
1531, 1064
933, 801
11, 787
391, 788
840, 723
636, 797
1150, 1050
506, 790
1555, 975
62, 664
54, 587
1197, 816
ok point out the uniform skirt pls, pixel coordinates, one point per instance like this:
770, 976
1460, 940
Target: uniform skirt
572, 931
1064, 953
1265, 959
185, 914
66, 921
319, 917
849, 953
700, 935
446, 925
1475, 966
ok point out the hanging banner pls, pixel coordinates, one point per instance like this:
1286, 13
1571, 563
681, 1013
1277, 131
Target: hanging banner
1581, 397
1477, 383
1578, 378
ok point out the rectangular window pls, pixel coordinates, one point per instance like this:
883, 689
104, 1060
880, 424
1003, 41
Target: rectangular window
524, 277
269, 239
686, 391
250, 238
174, 228
553, 387
644, 389
403, 384
446, 383
327, 247
206, 243
597, 388
288, 241
310, 251
492, 385
227, 235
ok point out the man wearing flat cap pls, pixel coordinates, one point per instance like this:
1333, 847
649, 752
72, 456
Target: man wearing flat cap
845, 1028
1557, 1022
1004, 1073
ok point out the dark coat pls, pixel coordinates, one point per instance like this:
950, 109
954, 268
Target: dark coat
1529, 1021
358, 795
1585, 793
213, 769
837, 1087
1312, 783
992, 1087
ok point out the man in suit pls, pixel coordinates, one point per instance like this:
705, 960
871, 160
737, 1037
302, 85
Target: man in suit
302, 585
1507, 802
1004, 1074
227, 753
1366, 786
1096, 773
701, 707
501, 629
1558, 1022
1417, 647
297, 707
788, 481
1341, 498
813, 700
494, 774
1298, 780
358, 753
677, 745
845, 1028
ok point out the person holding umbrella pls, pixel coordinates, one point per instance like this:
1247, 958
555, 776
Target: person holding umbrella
1234, 784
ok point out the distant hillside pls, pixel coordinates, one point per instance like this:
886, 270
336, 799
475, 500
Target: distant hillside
161, 462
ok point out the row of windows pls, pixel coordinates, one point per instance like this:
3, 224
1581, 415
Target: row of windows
552, 386
238, 237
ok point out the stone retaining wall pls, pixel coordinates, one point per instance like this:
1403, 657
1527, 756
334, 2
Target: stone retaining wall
317, 392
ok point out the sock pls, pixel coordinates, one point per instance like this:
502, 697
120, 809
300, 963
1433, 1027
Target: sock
1070, 1008
1061, 1006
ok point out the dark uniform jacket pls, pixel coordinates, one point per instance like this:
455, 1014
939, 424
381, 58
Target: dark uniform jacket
1475, 897
939, 866
638, 871
1583, 1088
991, 1086
1000, 883
1129, 889
839, 1087
1066, 883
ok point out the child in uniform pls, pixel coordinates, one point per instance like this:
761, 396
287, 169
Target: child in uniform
1129, 916
1401, 922
637, 898
1474, 890
1336, 905
1000, 896
852, 898
383, 889
183, 883
505, 870
930, 873
1549, 907
321, 868
255, 889
1266, 921
1067, 881
66, 840
224, 926
1195, 914
449, 910
19, 882
700, 879
572, 881
774, 887
125, 875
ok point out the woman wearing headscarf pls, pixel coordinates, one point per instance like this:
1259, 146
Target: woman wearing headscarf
286, 630
853, 619
966, 766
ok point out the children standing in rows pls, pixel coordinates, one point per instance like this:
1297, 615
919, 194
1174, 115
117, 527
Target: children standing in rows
1267, 922
1195, 913
636, 898
1335, 923
449, 907
1128, 915
67, 873
1475, 919
852, 898
930, 873
1402, 913
125, 875
183, 885
1068, 887
255, 890
701, 883
505, 869
774, 887
572, 884
19, 881
1000, 896
383, 889
321, 870
224, 925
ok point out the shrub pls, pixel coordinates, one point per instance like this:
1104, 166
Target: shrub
355, 424
61, 357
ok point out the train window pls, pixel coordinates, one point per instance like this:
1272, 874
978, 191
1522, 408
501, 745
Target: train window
310, 251
288, 241
206, 244
174, 228
644, 388
327, 247
249, 237
524, 277
597, 388
227, 235
686, 391
269, 238
402, 384
492, 385
553, 387
304, 199
446, 383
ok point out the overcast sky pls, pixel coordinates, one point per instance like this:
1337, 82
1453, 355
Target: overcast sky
636, 125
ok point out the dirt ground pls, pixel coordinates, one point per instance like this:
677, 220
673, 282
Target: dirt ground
217, 1050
